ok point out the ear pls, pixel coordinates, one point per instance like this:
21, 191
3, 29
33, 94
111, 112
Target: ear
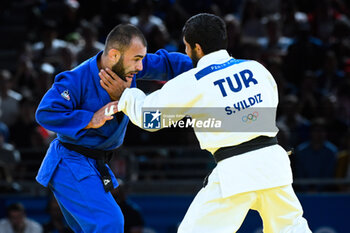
114, 55
199, 50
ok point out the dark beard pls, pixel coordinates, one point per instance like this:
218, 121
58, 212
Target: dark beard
118, 68
194, 58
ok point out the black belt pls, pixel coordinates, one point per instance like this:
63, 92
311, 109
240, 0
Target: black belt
102, 157
254, 144
230, 151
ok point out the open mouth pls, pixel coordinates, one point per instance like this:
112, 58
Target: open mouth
131, 74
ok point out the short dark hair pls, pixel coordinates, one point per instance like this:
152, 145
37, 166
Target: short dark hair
14, 207
207, 30
120, 37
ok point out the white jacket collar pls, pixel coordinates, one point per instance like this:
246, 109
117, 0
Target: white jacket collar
213, 57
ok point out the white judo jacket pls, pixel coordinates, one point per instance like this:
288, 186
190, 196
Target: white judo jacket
236, 92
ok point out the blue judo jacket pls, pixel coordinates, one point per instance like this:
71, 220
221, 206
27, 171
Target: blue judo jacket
76, 95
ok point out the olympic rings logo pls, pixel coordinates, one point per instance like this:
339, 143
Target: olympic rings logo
250, 117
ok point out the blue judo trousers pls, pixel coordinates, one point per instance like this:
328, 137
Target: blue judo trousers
66, 109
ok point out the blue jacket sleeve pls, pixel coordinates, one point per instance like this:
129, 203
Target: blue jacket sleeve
60, 113
164, 66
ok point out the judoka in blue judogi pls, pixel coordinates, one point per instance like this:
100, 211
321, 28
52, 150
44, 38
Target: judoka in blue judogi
68, 107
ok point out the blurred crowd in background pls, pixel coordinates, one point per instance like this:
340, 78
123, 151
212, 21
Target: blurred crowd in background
304, 44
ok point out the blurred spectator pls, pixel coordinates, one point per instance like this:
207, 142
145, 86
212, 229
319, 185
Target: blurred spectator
196, 6
275, 66
309, 95
251, 24
335, 123
343, 100
66, 60
134, 222
174, 18
323, 19
274, 44
251, 50
26, 74
69, 20
290, 17
283, 136
329, 76
47, 49
305, 53
110, 14
343, 162
17, 222
269, 7
25, 131
9, 157
290, 117
28, 135
145, 20
4, 130
43, 81
9, 99
91, 45
340, 43
316, 158
234, 36
159, 39
57, 223
228, 6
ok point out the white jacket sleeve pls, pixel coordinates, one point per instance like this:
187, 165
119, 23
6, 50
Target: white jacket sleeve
176, 96
131, 103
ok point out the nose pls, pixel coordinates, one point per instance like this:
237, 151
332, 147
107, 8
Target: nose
139, 66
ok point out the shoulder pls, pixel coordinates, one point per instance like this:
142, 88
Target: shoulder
163, 53
75, 74
302, 147
251, 65
34, 226
256, 65
184, 79
4, 225
4, 221
74, 80
331, 147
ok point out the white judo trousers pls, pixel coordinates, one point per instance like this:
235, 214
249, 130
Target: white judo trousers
209, 212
